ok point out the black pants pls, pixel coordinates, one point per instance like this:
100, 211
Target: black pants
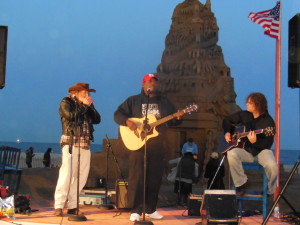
183, 190
155, 167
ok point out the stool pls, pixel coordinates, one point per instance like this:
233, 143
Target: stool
254, 194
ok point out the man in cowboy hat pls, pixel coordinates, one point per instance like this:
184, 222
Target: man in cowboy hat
77, 114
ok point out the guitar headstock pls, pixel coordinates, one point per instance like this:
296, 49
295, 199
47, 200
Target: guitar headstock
270, 131
191, 108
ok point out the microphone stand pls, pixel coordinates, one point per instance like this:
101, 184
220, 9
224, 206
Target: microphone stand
281, 194
146, 130
107, 206
212, 181
179, 196
77, 217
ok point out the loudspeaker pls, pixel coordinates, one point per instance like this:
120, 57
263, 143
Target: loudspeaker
219, 207
294, 52
95, 182
121, 194
3, 48
194, 203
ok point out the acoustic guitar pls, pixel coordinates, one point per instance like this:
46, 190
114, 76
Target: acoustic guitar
237, 141
134, 140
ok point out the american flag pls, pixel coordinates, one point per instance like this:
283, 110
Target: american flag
269, 20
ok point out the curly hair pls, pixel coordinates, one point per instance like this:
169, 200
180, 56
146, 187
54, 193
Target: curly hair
259, 100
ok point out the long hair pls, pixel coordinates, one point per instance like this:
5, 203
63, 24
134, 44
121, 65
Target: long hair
259, 100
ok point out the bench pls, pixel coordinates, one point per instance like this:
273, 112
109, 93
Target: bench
10, 173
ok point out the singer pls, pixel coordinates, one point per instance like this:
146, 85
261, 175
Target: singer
77, 114
136, 106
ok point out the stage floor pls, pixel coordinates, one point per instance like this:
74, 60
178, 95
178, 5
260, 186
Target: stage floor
95, 216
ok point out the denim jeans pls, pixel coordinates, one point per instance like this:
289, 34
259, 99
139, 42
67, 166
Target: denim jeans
265, 158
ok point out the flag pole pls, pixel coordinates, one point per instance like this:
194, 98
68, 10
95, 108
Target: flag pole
277, 103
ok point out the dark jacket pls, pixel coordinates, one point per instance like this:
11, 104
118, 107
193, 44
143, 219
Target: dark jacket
210, 171
29, 155
186, 167
47, 157
69, 117
245, 118
132, 108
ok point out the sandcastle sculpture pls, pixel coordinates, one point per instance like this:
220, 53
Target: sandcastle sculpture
192, 70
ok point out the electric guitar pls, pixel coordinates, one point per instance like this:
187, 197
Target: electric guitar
134, 140
236, 138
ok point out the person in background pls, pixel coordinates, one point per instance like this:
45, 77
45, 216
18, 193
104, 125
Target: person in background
210, 171
187, 170
136, 107
173, 172
190, 146
47, 157
77, 114
256, 147
29, 156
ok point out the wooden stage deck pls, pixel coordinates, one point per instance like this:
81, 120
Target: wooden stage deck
95, 216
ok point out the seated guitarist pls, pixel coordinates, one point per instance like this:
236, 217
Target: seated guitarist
136, 107
256, 146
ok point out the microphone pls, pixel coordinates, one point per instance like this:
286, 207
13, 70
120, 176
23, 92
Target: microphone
74, 97
149, 90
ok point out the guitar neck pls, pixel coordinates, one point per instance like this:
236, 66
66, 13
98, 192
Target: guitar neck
165, 119
244, 134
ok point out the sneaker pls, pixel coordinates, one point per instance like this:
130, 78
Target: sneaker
155, 215
58, 212
134, 217
74, 212
240, 191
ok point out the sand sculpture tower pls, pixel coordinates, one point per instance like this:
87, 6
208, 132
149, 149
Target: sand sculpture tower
193, 70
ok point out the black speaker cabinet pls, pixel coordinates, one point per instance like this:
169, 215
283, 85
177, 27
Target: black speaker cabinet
121, 194
3, 47
219, 207
294, 52
194, 203
95, 182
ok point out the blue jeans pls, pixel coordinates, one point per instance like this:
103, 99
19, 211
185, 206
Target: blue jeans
265, 158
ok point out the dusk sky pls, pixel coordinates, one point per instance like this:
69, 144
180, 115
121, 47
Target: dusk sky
53, 44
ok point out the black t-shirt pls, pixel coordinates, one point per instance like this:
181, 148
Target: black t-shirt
245, 118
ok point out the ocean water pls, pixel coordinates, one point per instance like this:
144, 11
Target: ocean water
287, 157
42, 147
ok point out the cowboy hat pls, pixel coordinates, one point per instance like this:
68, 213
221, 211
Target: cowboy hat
81, 87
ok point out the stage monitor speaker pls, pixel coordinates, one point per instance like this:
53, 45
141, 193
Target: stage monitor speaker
3, 48
194, 203
219, 207
121, 194
294, 52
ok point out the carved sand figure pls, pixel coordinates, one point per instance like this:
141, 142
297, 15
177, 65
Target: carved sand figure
193, 70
